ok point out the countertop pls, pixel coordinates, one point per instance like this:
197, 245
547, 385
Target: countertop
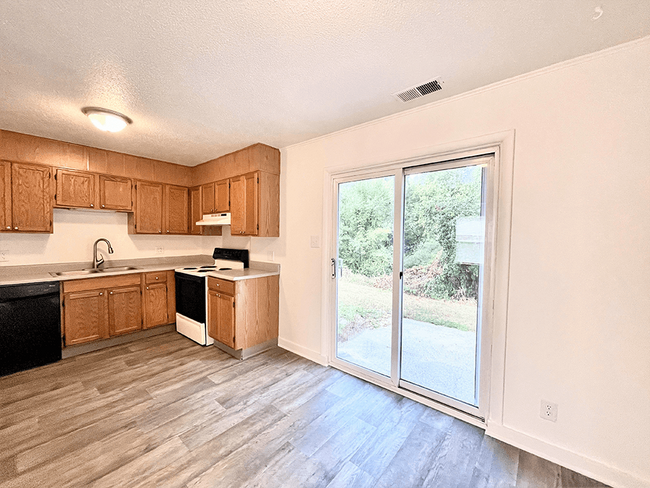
11, 275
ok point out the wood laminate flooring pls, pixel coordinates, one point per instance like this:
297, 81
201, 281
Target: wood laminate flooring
166, 412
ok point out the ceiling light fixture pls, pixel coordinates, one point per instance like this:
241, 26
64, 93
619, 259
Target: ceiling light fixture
106, 120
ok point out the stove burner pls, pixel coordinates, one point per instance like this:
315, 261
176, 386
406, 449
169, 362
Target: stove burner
189, 269
224, 269
209, 267
203, 270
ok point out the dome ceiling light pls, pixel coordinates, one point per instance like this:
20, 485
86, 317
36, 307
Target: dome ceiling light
106, 120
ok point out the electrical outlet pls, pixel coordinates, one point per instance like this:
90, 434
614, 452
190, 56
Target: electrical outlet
159, 250
548, 411
4, 255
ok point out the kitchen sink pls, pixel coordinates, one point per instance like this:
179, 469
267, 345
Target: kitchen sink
109, 269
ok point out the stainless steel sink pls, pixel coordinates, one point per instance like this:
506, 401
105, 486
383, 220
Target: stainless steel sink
110, 269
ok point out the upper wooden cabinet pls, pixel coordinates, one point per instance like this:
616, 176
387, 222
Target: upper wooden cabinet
216, 197
255, 204
115, 193
195, 210
5, 196
148, 215
176, 206
75, 189
31, 198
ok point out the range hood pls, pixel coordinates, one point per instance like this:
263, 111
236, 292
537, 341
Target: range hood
215, 219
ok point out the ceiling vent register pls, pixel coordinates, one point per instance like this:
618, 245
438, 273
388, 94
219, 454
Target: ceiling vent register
419, 91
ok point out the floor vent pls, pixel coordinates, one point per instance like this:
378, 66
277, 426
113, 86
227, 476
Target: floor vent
419, 91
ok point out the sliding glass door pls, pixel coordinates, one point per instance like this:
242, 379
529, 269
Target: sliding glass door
409, 272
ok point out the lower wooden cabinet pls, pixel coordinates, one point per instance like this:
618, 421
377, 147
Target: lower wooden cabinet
124, 310
86, 316
243, 313
104, 307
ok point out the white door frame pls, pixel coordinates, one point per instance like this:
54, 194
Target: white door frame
492, 388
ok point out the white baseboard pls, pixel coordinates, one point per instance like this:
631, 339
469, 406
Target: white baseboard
576, 462
302, 351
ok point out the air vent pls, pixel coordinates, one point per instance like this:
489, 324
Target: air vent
419, 91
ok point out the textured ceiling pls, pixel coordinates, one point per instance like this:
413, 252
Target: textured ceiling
201, 78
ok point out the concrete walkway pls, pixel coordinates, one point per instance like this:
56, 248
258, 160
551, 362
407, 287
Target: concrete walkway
438, 358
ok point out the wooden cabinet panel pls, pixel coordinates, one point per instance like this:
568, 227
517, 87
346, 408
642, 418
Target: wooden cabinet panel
5, 196
222, 196
221, 318
208, 199
155, 277
171, 296
238, 205
223, 286
149, 208
75, 189
86, 317
115, 193
251, 219
176, 210
195, 210
155, 305
124, 310
31, 195
269, 205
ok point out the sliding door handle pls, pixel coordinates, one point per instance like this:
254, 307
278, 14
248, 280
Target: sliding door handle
333, 268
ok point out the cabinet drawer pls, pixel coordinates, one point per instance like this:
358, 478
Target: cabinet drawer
221, 285
157, 277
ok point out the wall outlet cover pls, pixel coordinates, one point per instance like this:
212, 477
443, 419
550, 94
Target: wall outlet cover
548, 410
4, 255
159, 250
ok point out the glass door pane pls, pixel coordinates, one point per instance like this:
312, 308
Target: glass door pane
444, 234
364, 272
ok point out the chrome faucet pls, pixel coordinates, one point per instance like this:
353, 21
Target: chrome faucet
98, 262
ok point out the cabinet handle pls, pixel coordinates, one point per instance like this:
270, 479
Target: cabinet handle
9, 227
103, 206
168, 232
156, 277
148, 287
111, 293
100, 294
91, 205
15, 228
217, 284
159, 231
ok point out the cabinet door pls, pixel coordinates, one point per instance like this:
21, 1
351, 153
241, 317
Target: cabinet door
208, 199
115, 193
252, 184
238, 205
149, 208
222, 196
177, 210
31, 197
195, 210
5, 196
75, 189
221, 318
155, 305
124, 310
85, 316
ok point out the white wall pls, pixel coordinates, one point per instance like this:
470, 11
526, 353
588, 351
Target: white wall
76, 230
578, 327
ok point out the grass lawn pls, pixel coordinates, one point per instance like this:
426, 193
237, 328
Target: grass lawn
362, 306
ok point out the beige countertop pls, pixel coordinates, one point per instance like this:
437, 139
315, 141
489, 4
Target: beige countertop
10, 275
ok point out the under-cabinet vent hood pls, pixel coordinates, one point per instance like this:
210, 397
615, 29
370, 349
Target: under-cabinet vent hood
215, 219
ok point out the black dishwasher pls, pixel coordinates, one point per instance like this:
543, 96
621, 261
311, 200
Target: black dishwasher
30, 326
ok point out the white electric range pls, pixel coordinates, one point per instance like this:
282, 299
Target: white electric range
192, 293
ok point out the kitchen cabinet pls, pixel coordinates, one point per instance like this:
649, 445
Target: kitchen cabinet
99, 308
148, 215
255, 204
196, 213
75, 189
115, 193
31, 198
85, 317
176, 206
216, 197
124, 310
244, 313
5, 196
155, 297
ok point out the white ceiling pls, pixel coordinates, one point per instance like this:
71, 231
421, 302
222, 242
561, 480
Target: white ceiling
201, 78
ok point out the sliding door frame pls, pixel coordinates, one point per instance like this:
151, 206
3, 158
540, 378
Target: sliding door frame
500, 175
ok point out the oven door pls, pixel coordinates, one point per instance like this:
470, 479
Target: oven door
190, 297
